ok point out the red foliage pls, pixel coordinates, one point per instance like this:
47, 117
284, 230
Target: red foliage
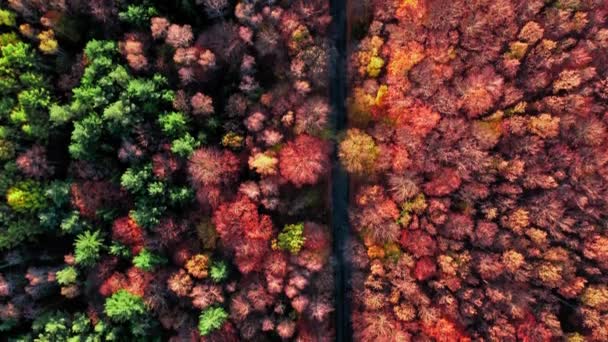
179, 36
425, 269
164, 164
482, 88
317, 237
170, 231
126, 231
458, 227
90, 196
532, 331
133, 50
444, 330
242, 229
443, 182
227, 333
113, 284
418, 243
304, 160
33, 162
208, 167
376, 215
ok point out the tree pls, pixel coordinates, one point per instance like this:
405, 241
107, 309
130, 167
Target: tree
26, 197
291, 238
85, 137
67, 276
88, 246
209, 166
124, 306
173, 124
211, 319
147, 261
304, 160
358, 152
137, 15
218, 271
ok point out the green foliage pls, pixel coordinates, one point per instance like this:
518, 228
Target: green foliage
7, 149
173, 124
26, 197
147, 261
110, 102
16, 57
72, 223
124, 306
179, 196
87, 248
138, 15
67, 276
58, 192
26, 97
7, 18
152, 196
119, 250
147, 214
55, 214
61, 326
291, 238
97, 49
14, 232
8, 38
218, 271
211, 319
135, 180
85, 137
184, 146
59, 114
156, 189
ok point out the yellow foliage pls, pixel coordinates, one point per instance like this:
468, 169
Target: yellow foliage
263, 164
198, 266
381, 94
359, 107
232, 140
392, 250
544, 125
358, 152
404, 59
374, 67
48, 43
206, 234
513, 260
375, 252
517, 50
596, 296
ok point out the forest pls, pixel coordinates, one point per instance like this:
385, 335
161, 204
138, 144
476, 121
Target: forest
173, 170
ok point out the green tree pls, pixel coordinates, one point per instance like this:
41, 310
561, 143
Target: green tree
173, 124
211, 319
138, 15
7, 18
218, 271
26, 197
124, 306
67, 276
88, 246
184, 146
147, 261
291, 238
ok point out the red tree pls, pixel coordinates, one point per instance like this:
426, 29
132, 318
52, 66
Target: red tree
304, 160
242, 229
